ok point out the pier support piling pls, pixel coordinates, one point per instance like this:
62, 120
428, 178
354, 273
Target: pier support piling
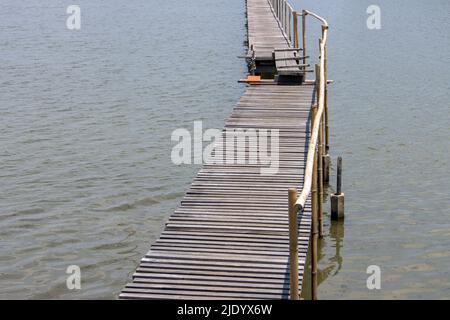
337, 199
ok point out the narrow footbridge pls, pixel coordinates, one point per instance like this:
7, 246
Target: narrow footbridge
236, 233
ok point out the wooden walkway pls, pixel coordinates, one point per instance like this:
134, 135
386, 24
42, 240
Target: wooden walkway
269, 44
264, 32
229, 237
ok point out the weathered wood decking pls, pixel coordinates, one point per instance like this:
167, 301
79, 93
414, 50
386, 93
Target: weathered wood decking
229, 237
264, 32
269, 44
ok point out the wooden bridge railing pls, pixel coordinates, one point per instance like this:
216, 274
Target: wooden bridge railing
317, 164
288, 19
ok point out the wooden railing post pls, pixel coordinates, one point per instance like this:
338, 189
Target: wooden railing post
285, 16
326, 159
278, 9
294, 16
322, 123
322, 138
304, 36
320, 184
319, 159
327, 137
314, 219
317, 83
293, 244
290, 27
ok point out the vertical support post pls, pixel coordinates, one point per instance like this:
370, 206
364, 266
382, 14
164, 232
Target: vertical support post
278, 9
314, 219
286, 17
322, 130
337, 199
339, 176
317, 83
304, 36
293, 244
326, 159
320, 184
286, 20
319, 158
294, 16
327, 137
290, 26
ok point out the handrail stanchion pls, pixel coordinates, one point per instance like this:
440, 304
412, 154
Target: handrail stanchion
314, 218
294, 16
304, 37
327, 138
289, 26
278, 8
318, 144
319, 161
326, 159
285, 16
293, 245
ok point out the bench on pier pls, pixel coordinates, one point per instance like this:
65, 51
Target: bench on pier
289, 64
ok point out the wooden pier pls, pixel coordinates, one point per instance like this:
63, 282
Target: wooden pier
272, 41
230, 238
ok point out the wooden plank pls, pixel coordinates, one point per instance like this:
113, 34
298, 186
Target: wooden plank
210, 281
147, 293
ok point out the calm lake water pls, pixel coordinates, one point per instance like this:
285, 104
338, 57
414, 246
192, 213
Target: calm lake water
86, 117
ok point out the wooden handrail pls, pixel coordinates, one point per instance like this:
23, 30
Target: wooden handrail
313, 177
306, 190
314, 172
322, 20
286, 17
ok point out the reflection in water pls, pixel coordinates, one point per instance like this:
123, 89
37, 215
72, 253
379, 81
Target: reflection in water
330, 266
335, 262
327, 267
